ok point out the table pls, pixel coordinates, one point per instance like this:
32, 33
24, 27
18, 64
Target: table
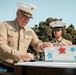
45, 68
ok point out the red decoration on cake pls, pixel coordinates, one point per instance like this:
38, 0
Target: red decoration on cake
61, 50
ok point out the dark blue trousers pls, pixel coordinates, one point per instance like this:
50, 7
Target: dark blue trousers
4, 68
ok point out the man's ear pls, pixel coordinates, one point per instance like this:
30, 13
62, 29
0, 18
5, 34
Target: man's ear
17, 13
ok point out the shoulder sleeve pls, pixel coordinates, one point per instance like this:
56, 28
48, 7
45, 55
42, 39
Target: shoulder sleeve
67, 42
36, 42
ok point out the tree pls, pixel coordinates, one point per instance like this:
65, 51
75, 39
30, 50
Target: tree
44, 32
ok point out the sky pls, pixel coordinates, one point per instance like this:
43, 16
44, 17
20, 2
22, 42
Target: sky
60, 9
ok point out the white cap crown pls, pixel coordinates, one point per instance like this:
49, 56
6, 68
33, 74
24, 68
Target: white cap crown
26, 7
57, 24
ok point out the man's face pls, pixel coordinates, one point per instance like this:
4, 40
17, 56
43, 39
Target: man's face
22, 20
57, 33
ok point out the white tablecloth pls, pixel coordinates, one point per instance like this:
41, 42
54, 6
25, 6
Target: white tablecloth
49, 64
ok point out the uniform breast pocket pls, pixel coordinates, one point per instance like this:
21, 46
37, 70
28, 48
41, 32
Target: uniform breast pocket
28, 39
11, 37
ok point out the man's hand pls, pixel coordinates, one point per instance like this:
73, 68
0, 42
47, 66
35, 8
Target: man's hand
46, 44
27, 57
